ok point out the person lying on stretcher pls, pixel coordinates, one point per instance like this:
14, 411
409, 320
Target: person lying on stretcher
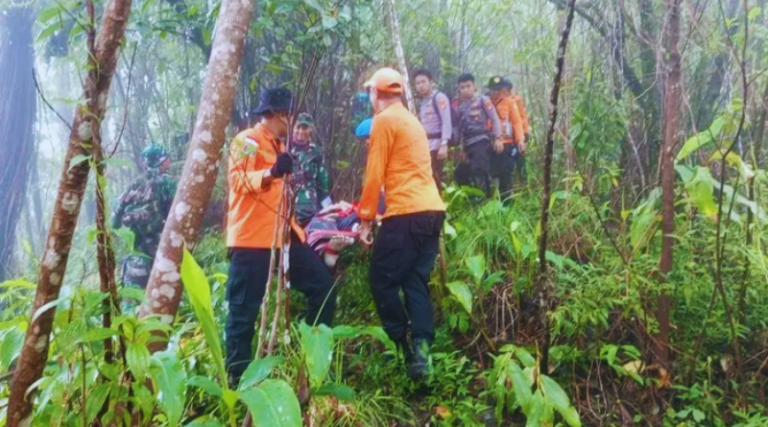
334, 229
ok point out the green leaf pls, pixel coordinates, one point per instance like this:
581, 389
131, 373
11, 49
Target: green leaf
525, 357
701, 139
476, 265
258, 371
347, 332
448, 230
137, 357
461, 292
49, 13
329, 22
698, 416
96, 398
145, 398
99, 334
80, 158
10, 348
317, 343
169, 377
206, 384
49, 31
341, 391
700, 188
378, 333
205, 421
556, 395
196, 284
273, 404
229, 397
315, 4
521, 386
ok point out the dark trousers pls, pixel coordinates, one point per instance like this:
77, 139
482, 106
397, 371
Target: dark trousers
476, 170
403, 256
502, 166
248, 271
437, 169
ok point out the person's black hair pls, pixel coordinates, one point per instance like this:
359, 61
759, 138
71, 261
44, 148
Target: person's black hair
423, 72
466, 77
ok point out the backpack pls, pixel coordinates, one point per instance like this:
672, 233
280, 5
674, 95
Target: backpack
472, 130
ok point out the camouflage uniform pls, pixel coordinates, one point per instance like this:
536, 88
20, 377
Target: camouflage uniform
143, 208
310, 181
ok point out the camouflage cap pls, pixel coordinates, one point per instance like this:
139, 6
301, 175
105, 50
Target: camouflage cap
305, 119
154, 155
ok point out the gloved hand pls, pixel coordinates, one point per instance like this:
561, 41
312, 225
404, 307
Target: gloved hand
283, 165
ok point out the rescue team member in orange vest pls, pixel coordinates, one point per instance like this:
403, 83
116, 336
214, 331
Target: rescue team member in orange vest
512, 142
257, 164
407, 242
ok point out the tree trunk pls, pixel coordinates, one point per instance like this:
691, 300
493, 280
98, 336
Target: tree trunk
203, 157
672, 94
547, 189
101, 66
17, 118
395, 24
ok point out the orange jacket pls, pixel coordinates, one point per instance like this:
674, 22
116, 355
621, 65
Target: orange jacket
253, 210
523, 114
398, 158
506, 107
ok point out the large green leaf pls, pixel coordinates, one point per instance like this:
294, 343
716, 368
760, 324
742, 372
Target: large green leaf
206, 384
170, 380
10, 347
521, 386
461, 292
317, 343
700, 188
557, 397
476, 265
378, 333
196, 284
341, 391
96, 397
701, 139
273, 404
348, 332
137, 356
258, 371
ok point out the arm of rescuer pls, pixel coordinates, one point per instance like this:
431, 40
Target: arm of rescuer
490, 112
523, 115
242, 150
381, 140
444, 107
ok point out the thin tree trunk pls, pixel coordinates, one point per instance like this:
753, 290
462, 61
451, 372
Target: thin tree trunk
547, 189
164, 290
395, 24
72, 185
17, 119
671, 106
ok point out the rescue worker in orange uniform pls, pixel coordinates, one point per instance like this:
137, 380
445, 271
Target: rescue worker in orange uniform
407, 242
512, 142
258, 163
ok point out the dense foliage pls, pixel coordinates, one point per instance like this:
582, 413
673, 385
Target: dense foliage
598, 305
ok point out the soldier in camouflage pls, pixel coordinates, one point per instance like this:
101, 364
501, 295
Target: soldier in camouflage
310, 177
143, 208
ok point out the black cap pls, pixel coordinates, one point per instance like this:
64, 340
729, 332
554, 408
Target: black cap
275, 100
498, 82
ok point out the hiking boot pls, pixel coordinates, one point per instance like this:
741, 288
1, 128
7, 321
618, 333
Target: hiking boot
419, 367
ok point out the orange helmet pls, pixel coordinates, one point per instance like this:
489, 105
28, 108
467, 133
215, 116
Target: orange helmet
386, 80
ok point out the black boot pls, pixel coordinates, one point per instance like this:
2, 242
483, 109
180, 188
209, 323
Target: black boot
419, 367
